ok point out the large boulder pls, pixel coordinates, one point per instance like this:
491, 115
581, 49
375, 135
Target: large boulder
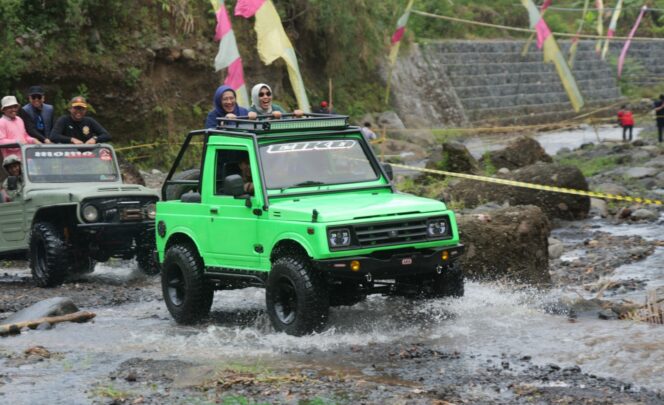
55, 306
130, 174
390, 121
520, 152
508, 243
455, 157
555, 205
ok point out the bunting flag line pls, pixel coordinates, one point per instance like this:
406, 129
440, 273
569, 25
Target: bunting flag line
552, 54
529, 41
228, 55
399, 32
623, 52
612, 28
273, 43
575, 40
599, 4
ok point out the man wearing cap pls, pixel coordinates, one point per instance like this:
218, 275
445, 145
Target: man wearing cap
76, 127
12, 165
12, 129
37, 115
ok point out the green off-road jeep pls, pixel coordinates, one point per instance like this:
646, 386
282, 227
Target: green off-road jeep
68, 208
324, 225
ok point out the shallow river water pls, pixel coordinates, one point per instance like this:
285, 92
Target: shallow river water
490, 320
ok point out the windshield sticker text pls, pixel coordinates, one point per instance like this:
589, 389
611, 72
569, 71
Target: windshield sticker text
65, 153
310, 146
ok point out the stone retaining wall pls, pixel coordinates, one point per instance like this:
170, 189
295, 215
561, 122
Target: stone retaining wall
483, 83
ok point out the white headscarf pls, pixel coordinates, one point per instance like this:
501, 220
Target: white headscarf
255, 101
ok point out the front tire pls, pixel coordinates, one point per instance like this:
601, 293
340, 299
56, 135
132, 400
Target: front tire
188, 297
145, 253
297, 298
48, 255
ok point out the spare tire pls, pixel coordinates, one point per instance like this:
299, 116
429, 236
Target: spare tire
175, 191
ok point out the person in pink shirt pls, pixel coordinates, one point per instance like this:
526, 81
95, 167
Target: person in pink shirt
12, 128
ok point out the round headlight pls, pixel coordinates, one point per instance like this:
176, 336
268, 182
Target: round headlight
90, 213
151, 211
437, 227
339, 238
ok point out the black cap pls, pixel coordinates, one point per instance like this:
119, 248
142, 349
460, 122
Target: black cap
36, 90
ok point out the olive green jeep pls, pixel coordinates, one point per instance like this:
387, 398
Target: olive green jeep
302, 207
68, 209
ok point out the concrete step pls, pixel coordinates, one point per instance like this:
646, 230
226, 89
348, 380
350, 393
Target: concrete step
450, 58
519, 67
505, 78
537, 98
464, 92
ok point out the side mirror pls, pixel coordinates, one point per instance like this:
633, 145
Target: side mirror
12, 183
191, 197
387, 168
234, 185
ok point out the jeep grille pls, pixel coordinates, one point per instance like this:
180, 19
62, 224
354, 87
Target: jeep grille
131, 214
390, 233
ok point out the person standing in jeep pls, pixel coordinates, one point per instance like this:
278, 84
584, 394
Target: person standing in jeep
37, 115
76, 128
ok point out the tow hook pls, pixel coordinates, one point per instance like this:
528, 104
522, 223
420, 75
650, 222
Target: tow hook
369, 278
439, 269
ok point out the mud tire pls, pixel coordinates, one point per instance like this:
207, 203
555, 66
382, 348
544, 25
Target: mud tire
297, 298
48, 255
187, 295
145, 253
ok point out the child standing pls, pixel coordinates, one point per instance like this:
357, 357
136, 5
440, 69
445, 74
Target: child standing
626, 120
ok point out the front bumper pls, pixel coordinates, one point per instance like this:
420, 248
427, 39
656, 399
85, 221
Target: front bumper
397, 265
117, 226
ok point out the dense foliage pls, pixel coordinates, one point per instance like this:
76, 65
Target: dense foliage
107, 47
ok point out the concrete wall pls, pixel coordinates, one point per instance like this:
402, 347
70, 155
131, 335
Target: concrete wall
456, 83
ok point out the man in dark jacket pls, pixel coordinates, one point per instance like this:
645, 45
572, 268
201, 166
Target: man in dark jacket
77, 128
37, 115
659, 115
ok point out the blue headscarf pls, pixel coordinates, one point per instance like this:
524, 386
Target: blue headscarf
211, 121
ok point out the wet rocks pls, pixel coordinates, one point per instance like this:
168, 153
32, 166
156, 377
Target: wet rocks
521, 152
455, 157
555, 205
508, 243
640, 172
595, 256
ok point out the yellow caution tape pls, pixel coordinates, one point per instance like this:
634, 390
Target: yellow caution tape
533, 186
145, 145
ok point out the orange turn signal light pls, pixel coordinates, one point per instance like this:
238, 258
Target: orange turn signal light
355, 265
445, 255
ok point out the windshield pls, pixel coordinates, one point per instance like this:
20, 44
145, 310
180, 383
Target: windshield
314, 163
68, 165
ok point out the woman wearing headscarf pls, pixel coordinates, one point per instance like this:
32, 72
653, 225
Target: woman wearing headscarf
225, 105
261, 101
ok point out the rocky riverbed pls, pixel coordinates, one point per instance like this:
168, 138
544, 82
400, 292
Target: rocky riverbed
503, 343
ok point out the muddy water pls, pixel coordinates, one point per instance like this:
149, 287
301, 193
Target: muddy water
552, 142
490, 320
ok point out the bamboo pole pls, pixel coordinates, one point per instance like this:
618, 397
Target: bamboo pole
15, 328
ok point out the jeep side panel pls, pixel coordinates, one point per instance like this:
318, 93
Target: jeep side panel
232, 227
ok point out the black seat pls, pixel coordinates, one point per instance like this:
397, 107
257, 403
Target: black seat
226, 170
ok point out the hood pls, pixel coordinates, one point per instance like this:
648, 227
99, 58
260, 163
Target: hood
79, 192
352, 206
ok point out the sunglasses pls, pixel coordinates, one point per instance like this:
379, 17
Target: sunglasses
268, 93
78, 108
36, 96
